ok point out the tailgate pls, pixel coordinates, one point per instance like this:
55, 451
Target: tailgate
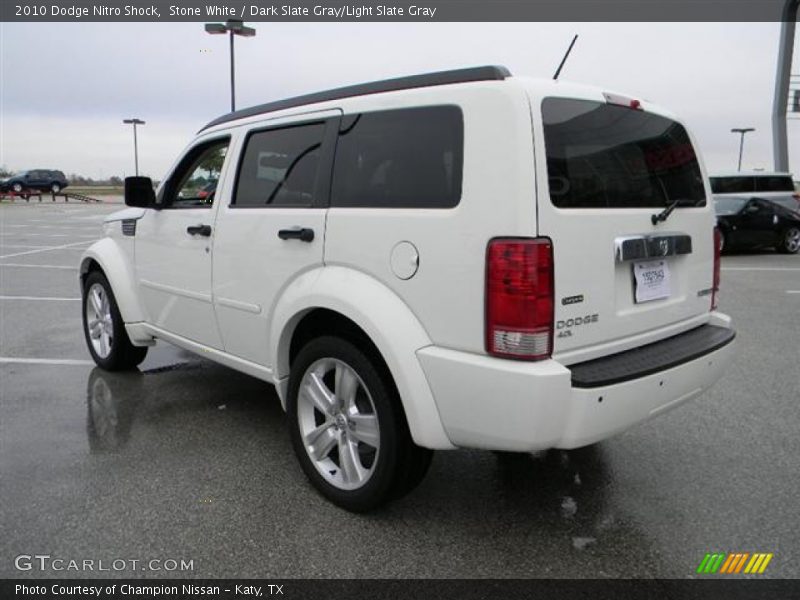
608, 172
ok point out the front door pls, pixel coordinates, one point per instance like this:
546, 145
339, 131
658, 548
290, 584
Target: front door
174, 247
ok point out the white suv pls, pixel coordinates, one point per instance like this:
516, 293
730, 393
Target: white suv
462, 259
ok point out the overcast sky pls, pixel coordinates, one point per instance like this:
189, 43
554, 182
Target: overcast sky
64, 88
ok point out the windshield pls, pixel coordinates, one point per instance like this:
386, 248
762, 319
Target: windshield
605, 156
729, 206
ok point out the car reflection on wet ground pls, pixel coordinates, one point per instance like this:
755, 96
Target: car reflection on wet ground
186, 459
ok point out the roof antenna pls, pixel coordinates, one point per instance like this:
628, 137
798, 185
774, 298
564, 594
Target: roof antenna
566, 55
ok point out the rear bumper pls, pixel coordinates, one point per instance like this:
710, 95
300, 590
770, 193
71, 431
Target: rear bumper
498, 404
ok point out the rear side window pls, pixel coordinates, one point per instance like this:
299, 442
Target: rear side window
406, 158
774, 184
732, 185
280, 167
606, 156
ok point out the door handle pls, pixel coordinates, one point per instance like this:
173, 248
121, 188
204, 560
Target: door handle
204, 230
304, 234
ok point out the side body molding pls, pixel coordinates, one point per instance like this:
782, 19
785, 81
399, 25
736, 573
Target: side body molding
384, 317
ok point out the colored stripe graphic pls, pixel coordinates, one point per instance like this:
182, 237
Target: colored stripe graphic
734, 563
711, 563
758, 563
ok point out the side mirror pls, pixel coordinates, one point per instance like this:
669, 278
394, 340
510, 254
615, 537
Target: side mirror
139, 192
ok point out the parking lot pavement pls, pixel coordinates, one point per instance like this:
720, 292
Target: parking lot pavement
190, 460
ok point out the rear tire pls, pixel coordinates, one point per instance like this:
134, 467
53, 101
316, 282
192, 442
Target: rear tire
790, 241
55, 188
17, 188
104, 329
348, 428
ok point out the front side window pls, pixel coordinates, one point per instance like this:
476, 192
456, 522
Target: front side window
405, 158
602, 155
195, 181
280, 167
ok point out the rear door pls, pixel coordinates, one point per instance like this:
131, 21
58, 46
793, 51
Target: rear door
271, 225
627, 271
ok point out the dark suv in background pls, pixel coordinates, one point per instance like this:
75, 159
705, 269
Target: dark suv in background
43, 180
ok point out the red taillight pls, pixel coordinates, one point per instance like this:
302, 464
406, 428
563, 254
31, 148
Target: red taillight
715, 285
519, 298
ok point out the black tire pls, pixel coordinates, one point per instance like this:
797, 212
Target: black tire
398, 465
16, 188
723, 243
55, 188
790, 241
122, 355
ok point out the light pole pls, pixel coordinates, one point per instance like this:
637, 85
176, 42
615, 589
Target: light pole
231, 27
135, 122
742, 131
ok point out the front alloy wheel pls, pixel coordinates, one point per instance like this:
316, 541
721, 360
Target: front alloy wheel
104, 329
99, 324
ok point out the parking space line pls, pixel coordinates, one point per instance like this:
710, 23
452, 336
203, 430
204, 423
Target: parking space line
44, 361
46, 249
793, 291
35, 298
22, 266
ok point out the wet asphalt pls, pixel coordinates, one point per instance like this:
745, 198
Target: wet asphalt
189, 460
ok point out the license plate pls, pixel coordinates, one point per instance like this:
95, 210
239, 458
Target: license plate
651, 280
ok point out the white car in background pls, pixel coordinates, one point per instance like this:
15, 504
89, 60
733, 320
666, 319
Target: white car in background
777, 187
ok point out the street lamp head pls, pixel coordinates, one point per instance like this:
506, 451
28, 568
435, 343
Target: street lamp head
246, 31
235, 26
133, 121
742, 129
216, 28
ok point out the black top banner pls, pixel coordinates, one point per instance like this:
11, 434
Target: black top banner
394, 10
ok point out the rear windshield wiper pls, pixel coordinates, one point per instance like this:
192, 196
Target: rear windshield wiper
664, 214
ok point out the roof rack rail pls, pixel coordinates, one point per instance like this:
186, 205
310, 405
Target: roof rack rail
486, 73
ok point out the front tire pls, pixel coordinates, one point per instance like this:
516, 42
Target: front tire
790, 242
348, 428
104, 329
55, 188
17, 188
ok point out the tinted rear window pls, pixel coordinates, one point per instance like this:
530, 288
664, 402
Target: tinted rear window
606, 156
732, 185
406, 158
774, 184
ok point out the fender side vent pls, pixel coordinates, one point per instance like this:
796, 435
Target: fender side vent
129, 227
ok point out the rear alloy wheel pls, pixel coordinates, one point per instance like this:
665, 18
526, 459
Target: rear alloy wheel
791, 241
17, 187
347, 426
55, 188
104, 329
